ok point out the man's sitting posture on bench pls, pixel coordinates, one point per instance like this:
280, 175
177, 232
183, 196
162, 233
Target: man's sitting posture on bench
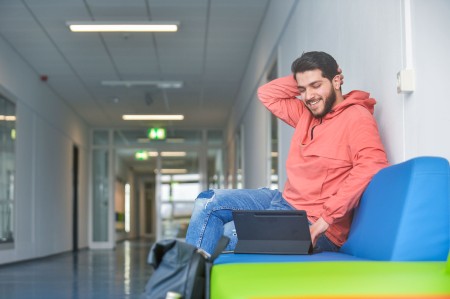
334, 152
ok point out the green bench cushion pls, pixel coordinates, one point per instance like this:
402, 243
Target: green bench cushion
333, 279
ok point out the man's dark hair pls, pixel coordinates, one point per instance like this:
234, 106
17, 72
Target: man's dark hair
316, 60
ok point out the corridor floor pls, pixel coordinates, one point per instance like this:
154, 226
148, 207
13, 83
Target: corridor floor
115, 274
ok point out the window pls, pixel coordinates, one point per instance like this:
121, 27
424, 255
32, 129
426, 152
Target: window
178, 193
7, 169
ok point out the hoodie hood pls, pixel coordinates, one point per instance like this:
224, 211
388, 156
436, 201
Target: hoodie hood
355, 97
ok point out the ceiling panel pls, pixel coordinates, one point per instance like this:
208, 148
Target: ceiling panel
209, 54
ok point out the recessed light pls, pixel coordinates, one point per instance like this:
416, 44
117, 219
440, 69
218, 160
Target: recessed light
123, 26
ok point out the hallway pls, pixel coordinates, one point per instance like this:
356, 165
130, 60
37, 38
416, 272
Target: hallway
120, 273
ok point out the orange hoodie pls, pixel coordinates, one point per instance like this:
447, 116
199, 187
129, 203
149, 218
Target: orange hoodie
331, 160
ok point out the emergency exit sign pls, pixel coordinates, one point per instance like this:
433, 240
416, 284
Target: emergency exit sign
141, 155
156, 133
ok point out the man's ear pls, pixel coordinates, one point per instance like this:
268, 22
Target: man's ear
337, 82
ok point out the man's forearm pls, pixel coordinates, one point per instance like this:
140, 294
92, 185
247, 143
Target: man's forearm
279, 97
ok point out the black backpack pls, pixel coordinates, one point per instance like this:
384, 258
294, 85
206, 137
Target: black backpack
181, 268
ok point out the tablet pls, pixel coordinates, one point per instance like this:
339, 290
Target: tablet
272, 232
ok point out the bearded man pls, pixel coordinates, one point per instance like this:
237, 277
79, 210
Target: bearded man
335, 151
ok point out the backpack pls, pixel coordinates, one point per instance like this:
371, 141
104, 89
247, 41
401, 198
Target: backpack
181, 268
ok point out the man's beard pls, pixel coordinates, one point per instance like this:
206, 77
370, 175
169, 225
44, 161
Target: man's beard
328, 104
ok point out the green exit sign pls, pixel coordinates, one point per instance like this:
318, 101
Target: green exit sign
156, 133
141, 155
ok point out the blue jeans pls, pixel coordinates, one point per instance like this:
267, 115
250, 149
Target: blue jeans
212, 216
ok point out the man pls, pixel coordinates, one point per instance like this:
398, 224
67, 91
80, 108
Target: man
334, 152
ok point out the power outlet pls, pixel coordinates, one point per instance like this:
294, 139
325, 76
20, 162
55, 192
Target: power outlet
405, 81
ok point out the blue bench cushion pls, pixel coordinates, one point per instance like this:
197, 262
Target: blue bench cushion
231, 258
404, 214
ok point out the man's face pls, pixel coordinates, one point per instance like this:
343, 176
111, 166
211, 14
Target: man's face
316, 92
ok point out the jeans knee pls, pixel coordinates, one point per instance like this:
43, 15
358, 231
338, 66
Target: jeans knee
208, 194
204, 199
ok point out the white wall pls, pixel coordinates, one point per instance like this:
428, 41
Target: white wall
256, 138
47, 129
247, 110
367, 38
427, 118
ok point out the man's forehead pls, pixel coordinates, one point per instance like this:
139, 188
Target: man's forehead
308, 77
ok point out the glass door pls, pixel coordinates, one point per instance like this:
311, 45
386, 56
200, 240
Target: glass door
102, 203
7, 172
180, 183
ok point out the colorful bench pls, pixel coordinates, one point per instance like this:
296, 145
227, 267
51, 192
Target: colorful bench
398, 247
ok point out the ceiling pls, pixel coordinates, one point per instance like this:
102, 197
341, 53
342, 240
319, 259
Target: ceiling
209, 54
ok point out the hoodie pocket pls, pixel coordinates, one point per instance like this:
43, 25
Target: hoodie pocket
336, 173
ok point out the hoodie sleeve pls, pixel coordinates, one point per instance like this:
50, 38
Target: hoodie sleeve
279, 96
368, 156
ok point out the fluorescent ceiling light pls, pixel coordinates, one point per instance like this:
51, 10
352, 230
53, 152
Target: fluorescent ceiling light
159, 84
173, 170
123, 26
8, 117
167, 154
153, 117
173, 154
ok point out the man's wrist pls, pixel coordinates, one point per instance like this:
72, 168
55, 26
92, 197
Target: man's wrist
322, 225
327, 219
